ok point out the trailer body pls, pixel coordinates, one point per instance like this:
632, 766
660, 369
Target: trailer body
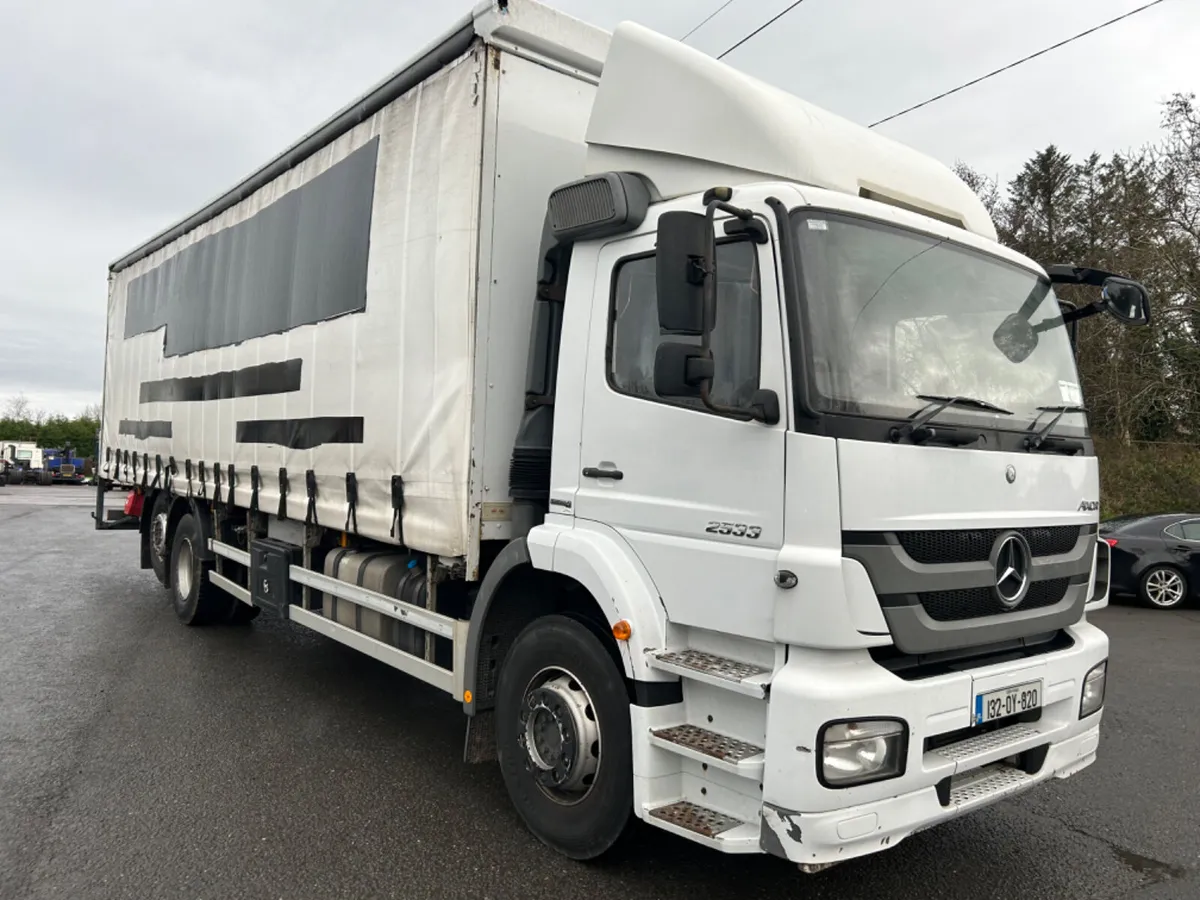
268, 338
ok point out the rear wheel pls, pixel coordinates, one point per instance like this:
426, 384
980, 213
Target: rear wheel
197, 601
563, 738
45, 479
160, 553
1163, 587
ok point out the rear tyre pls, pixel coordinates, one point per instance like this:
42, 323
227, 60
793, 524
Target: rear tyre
45, 479
196, 600
1163, 587
563, 738
160, 552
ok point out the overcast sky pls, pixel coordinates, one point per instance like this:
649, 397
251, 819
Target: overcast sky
118, 117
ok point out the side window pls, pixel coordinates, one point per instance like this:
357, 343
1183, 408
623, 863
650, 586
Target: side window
1191, 530
1175, 531
736, 337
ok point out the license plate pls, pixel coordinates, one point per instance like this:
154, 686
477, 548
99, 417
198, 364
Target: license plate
1009, 701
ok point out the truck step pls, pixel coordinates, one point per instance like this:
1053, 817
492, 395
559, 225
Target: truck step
975, 751
987, 785
718, 750
707, 826
745, 678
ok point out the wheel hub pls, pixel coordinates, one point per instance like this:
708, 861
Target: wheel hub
1165, 588
183, 569
158, 535
560, 735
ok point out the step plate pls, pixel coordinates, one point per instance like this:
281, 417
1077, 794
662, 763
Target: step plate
709, 743
985, 743
989, 783
694, 818
710, 664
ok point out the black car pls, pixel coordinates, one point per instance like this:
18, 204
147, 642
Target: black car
1155, 557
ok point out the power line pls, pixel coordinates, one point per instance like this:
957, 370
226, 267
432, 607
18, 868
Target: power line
766, 25
1013, 65
706, 20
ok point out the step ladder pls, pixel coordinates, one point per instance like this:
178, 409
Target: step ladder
718, 791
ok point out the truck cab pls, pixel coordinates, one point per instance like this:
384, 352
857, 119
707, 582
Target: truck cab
64, 468
837, 429
24, 463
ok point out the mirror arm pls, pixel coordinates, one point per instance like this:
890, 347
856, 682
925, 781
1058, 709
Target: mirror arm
736, 211
1085, 312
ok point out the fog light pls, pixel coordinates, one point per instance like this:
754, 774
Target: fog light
1093, 690
861, 752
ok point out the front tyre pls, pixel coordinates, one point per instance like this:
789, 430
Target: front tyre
563, 738
1163, 587
196, 600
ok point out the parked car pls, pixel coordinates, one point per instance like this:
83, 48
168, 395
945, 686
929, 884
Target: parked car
1156, 558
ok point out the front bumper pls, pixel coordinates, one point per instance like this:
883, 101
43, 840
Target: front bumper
822, 838
810, 824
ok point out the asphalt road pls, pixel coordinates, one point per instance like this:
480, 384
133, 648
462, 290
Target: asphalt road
141, 759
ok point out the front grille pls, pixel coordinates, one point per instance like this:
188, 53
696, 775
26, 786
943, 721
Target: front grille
975, 545
975, 603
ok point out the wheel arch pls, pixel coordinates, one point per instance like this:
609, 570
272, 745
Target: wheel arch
179, 507
585, 575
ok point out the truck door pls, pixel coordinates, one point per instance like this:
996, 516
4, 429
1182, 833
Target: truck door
698, 496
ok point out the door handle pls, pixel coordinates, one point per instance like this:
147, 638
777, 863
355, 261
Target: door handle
1183, 549
614, 474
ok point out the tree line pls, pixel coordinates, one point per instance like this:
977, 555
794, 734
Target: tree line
21, 422
1135, 213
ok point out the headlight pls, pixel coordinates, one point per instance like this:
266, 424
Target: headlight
861, 752
1093, 690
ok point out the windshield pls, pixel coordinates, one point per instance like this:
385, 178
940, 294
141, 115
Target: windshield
892, 314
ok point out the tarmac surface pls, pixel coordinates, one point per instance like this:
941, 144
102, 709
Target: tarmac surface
142, 759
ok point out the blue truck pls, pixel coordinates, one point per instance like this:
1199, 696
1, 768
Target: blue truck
62, 466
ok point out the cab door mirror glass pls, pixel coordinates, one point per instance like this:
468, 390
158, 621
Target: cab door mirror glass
686, 263
1126, 300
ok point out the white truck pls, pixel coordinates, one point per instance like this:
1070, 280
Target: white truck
705, 446
22, 462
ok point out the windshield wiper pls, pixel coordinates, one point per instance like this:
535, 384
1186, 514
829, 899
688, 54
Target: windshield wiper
959, 401
918, 430
1042, 438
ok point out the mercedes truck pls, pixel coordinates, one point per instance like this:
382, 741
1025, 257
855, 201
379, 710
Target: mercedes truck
706, 447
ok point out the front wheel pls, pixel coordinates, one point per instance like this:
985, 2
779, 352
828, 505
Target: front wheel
1163, 587
563, 738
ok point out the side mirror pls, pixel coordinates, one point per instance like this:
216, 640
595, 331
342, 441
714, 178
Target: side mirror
765, 406
1125, 300
680, 370
1015, 338
685, 264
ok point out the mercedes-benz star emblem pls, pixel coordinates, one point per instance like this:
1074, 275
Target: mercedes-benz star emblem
1011, 561
1010, 474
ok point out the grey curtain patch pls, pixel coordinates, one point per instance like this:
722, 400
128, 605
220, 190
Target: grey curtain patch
302, 434
253, 381
299, 261
142, 430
